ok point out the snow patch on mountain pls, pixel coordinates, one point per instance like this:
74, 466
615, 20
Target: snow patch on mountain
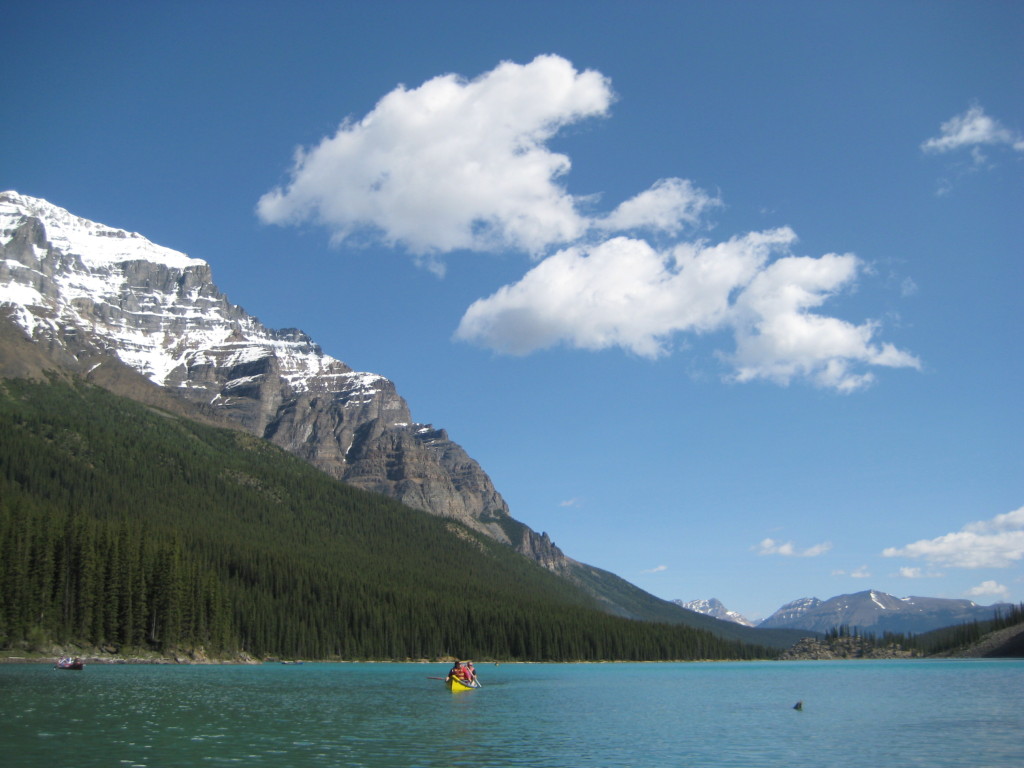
96, 244
155, 308
877, 611
87, 292
715, 609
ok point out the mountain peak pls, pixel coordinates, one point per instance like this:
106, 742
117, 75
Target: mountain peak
714, 608
93, 297
89, 292
876, 611
97, 245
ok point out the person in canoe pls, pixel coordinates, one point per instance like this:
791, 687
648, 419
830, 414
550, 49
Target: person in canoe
457, 671
464, 673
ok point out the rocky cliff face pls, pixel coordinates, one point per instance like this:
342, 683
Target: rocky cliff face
87, 292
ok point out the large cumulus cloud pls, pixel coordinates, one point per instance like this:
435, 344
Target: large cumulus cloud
459, 164
625, 293
452, 164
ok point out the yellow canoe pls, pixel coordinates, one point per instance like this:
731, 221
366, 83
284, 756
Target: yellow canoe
455, 685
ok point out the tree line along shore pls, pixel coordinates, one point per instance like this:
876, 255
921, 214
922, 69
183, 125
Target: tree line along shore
131, 535
124, 528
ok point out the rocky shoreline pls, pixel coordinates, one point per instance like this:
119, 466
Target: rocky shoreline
101, 656
811, 648
197, 656
1005, 643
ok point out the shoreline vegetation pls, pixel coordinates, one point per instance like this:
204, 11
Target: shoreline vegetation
190, 537
194, 545
1001, 642
1000, 637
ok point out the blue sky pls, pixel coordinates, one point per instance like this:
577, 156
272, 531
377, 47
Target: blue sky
725, 297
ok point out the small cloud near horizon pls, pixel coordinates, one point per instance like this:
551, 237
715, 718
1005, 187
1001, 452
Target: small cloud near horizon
655, 569
995, 543
788, 549
859, 573
908, 572
971, 132
989, 588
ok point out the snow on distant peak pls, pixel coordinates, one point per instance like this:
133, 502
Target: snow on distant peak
715, 609
96, 244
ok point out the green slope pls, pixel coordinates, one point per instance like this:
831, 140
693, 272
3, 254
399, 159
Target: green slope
123, 525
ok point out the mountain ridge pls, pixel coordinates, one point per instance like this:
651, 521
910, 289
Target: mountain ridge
127, 528
876, 611
86, 291
131, 315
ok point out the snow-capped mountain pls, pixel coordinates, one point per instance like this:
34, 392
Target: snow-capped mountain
715, 609
793, 612
88, 292
156, 309
877, 612
148, 322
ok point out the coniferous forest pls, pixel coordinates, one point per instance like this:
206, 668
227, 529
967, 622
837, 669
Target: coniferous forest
943, 641
123, 527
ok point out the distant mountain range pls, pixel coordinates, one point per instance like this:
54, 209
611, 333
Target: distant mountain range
868, 611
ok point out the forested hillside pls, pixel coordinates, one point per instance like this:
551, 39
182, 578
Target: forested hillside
974, 638
125, 526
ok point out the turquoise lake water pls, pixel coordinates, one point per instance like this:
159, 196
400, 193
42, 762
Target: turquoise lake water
857, 713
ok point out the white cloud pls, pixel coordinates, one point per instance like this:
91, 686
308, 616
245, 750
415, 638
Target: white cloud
778, 338
574, 502
452, 164
988, 588
1010, 521
465, 164
995, 543
619, 293
788, 549
817, 549
970, 130
665, 207
908, 287
624, 293
656, 569
861, 573
908, 572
